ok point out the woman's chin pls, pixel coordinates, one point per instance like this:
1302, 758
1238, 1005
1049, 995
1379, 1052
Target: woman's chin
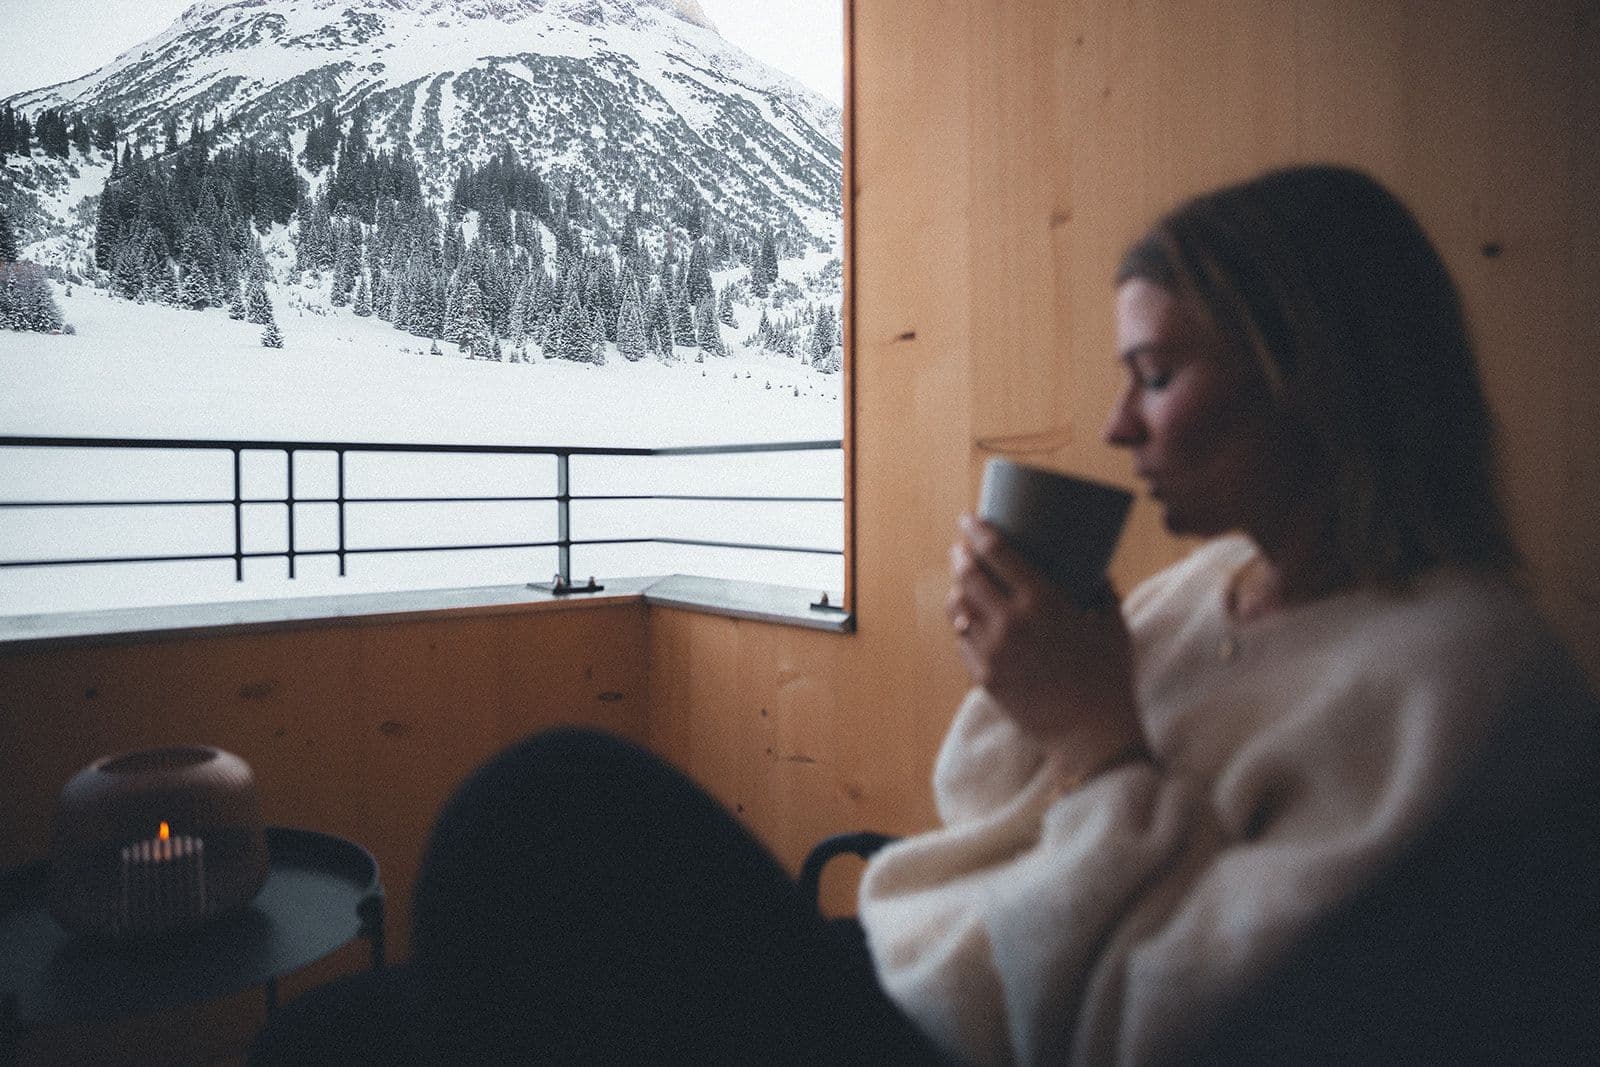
1182, 523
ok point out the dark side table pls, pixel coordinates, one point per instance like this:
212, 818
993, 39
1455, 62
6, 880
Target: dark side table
321, 893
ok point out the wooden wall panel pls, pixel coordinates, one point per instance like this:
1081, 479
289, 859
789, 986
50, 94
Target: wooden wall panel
1006, 153
359, 730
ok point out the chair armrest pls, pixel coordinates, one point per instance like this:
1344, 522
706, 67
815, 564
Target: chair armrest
862, 843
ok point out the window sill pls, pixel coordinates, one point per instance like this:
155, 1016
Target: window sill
782, 605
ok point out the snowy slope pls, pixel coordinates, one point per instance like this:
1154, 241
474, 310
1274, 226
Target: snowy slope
151, 371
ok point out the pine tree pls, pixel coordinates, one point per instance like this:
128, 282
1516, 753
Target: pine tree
26, 302
345, 269
10, 316
631, 340
236, 310
822, 349
697, 282
257, 306
517, 323
768, 260
597, 338
725, 308
657, 319
191, 291
105, 135
8, 240
363, 305
127, 271
471, 331
450, 311
709, 333
571, 340
683, 328
271, 337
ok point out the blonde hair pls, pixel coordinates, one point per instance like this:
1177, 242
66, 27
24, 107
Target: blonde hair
1331, 286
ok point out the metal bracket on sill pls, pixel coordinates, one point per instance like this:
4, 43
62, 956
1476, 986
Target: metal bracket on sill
559, 587
823, 605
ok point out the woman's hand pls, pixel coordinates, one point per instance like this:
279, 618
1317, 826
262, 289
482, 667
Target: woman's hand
1061, 671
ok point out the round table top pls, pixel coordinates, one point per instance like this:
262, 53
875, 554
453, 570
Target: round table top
307, 908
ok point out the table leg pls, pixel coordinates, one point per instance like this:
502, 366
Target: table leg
370, 911
10, 1031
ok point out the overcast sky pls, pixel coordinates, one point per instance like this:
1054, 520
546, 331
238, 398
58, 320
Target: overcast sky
47, 41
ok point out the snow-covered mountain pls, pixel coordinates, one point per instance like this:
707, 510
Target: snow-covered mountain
621, 95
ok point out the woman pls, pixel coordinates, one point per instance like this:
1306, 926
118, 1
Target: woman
1145, 813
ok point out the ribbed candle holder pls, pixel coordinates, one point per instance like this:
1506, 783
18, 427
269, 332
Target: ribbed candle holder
152, 841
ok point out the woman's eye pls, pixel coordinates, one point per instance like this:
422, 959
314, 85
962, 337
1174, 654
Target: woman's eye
1155, 381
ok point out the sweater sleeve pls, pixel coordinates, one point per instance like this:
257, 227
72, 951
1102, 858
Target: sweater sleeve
984, 763
985, 933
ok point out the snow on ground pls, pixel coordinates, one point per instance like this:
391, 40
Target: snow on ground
152, 371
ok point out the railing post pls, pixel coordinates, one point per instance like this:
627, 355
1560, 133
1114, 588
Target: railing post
238, 523
563, 519
340, 454
289, 500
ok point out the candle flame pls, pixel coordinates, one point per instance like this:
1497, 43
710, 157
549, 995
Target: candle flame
165, 832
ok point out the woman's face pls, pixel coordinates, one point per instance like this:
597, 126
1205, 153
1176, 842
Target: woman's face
1194, 414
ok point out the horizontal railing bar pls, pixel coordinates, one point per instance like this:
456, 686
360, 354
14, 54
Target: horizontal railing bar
414, 500
213, 444
136, 559
770, 446
284, 499
722, 499
125, 504
284, 554
741, 544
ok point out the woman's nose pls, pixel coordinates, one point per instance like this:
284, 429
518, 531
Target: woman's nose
1123, 428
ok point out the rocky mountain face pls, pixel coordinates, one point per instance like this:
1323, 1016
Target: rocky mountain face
623, 98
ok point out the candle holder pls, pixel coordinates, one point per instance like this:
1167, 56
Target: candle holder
152, 841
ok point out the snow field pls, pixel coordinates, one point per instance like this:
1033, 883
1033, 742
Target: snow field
153, 371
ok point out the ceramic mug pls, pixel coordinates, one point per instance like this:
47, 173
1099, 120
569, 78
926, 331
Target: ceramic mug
1067, 527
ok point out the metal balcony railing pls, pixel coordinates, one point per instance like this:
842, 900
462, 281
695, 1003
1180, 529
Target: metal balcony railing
562, 541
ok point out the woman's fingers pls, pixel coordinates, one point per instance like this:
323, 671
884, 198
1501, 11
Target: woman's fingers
982, 593
1003, 565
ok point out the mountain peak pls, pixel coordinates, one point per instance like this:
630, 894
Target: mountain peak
589, 11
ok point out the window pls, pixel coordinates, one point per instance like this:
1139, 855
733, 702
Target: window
562, 245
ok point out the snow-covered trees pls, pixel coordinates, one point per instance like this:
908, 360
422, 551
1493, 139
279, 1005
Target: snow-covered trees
631, 339
822, 339
8, 240
503, 266
26, 302
271, 337
764, 264
179, 230
469, 330
257, 305
707, 330
697, 279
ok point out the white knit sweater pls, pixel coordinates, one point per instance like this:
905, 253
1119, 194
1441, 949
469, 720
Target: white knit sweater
1295, 755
